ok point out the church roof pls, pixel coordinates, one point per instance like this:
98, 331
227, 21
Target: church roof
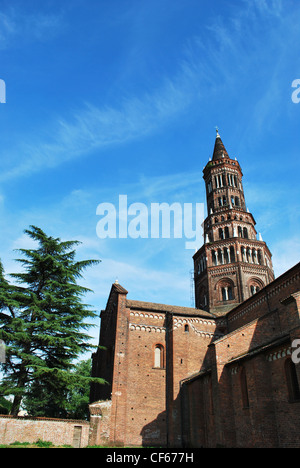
219, 149
152, 306
176, 310
117, 287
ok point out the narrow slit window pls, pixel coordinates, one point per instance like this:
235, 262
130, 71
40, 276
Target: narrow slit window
159, 356
244, 388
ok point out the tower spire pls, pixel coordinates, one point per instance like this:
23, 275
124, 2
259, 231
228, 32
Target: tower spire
219, 149
232, 264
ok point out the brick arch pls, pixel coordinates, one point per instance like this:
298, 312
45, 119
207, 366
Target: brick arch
221, 285
255, 280
254, 285
224, 282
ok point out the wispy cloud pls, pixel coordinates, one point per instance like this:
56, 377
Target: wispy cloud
17, 27
93, 128
223, 56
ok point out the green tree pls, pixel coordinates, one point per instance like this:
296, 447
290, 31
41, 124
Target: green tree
5, 405
79, 394
43, 323
68, 400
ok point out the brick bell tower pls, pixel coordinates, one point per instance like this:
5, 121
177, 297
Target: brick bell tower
233, 263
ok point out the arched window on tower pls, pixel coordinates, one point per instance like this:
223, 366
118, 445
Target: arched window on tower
232, 254
259, 257
254, 285
253, 289
225, 289
227, 293
248, 255
243, 250
220, 257
214, 257
226, 255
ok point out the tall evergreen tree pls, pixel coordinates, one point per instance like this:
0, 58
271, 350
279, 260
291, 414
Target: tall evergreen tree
43, 322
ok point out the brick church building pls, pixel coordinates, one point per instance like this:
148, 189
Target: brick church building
218, 375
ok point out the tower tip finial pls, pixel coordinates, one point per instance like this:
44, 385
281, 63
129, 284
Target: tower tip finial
217, 130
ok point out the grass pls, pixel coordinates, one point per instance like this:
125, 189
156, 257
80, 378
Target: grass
45, 444
38, 444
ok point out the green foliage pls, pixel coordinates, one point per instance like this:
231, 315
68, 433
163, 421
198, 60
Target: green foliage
20, 443
44, 444
69, 399
79, 392
5, 405
43, 322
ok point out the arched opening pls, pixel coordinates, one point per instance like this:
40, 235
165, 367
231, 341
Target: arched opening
259, 257
220, 257
254, 285
227, 294
232, 254
225, 290
214, 257
159, 356
292, 380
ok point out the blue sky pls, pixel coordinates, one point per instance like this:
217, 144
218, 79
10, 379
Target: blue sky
123, 97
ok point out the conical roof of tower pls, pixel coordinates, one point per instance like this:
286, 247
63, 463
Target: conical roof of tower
219, 149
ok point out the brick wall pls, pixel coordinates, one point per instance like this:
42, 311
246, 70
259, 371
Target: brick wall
146, 379
196, 397
251, 398
189, 337
57, 431
100, 418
